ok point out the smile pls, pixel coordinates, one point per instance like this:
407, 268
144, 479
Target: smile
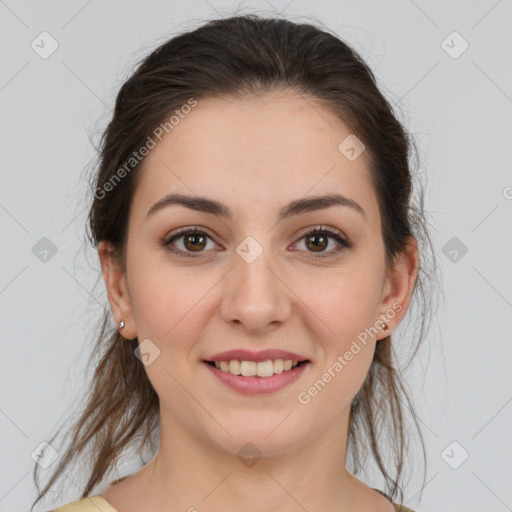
252, 378
252, 368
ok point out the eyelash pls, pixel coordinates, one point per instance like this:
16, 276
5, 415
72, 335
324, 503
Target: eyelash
319, 230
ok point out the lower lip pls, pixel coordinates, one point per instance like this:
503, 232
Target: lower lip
258, 385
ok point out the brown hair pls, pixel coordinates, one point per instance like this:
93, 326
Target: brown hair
233, 57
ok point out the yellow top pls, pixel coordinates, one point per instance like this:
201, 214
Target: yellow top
100, 504
92, 504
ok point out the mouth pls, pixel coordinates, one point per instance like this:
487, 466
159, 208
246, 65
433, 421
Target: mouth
257, 377
257, 369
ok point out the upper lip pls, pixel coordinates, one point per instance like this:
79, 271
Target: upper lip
263, 355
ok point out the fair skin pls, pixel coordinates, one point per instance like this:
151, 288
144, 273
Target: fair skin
254, 155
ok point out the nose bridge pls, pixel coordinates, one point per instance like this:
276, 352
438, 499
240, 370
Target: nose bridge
256, 296
253, 266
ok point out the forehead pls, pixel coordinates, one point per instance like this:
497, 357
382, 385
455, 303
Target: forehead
277, 146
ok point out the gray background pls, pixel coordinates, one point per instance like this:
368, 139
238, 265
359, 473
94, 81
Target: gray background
459, 108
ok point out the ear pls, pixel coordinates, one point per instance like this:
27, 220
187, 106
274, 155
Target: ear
399, 285
117, 289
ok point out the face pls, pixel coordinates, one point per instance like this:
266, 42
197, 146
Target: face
198, 283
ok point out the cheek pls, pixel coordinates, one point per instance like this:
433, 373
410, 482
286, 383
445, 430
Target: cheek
169, 309
345, 315
168, 302
334, 387
346, 301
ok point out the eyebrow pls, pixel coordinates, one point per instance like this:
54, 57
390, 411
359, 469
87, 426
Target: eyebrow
304, 205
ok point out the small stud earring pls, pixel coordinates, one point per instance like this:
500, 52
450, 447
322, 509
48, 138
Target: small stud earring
121, 324
385, 326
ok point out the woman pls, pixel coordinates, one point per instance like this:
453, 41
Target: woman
253, 218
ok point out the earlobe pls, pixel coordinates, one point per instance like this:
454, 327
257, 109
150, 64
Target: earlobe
400, 284
115, 280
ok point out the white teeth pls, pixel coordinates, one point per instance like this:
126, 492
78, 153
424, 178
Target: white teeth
278, 366
265, 369
248, 368
234, 367
253, 368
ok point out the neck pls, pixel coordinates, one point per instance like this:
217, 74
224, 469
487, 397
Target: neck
192, 474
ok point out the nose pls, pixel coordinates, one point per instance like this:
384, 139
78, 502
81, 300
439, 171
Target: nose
256, 298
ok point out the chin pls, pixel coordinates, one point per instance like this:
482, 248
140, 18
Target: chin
261, 435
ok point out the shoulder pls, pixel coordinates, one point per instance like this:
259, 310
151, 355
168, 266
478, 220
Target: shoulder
92, 504
400, 508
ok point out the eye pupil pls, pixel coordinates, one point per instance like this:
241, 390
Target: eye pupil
195, 245
317, 245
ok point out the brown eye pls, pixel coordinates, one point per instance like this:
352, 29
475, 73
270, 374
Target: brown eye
317, 243
186, 242
194, 242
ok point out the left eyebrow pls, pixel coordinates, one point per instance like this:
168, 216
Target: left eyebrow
304, 205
